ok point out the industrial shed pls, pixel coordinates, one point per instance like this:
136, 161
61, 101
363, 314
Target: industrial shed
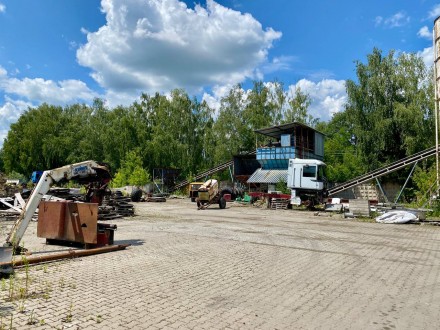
287, 141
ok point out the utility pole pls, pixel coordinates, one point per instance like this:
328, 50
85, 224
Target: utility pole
436, 48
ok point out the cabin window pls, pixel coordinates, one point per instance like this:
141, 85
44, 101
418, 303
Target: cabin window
309, 171
321, 174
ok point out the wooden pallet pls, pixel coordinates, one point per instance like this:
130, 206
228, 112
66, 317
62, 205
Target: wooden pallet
279, 204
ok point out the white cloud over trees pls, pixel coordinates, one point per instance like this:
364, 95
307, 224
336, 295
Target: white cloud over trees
328, 96
20, 94
156, 46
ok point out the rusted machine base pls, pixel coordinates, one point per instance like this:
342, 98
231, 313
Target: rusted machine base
105, 236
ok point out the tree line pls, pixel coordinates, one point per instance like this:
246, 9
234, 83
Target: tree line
161, 130
389, 114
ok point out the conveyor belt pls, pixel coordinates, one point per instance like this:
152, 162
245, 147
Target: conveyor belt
207, 173
383, 171
204, 174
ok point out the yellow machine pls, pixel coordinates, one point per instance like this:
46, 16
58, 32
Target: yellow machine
194, 190
208, 194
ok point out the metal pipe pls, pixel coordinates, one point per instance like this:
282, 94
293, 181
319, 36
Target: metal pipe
434, 40
382, 191
65, 255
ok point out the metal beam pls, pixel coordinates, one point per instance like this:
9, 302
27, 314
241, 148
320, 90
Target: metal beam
383, 170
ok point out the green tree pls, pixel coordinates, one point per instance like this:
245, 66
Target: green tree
32, 142
92, 133
261, 110
230, 128
340, 151
424, 180
206, 138
17, 176
131, 171
391, 107
297, 110
2, 163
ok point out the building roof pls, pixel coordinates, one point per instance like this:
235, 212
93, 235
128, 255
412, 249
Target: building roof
268, 176
278, 130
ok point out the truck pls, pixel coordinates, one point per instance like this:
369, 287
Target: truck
306, 179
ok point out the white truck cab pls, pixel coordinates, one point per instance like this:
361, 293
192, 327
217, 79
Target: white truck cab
306, 179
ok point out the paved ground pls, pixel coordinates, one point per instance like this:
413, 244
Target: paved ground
238, 268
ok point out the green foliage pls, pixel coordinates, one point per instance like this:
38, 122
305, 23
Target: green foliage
241, 114
167, 131
391, 107
298, 109
2, 163
32, 143
282, 186
340, 152
424, 179
131, 171
17, 176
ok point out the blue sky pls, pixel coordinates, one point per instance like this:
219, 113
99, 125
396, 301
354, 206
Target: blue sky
70, 51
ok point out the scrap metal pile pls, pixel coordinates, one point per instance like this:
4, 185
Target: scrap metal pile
7, 190
10, 204
114, 204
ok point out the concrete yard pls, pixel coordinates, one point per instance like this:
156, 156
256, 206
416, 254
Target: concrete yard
238, 268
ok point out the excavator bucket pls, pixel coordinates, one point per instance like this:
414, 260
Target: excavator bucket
6, 260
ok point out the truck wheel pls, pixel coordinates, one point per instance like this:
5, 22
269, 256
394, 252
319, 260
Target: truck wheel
199, 205
193, 199
136, 195
222, 203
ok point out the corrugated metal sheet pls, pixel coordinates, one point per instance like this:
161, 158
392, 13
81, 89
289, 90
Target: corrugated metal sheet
319, 145
268, 176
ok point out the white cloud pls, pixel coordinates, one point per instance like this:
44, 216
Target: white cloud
10, 111
397, 20
427, 56
378, 20
435, 12
73, 45
327, 96
425, 33
218, 92
32, 92
150, 46
281, 63
40, 90
2, 8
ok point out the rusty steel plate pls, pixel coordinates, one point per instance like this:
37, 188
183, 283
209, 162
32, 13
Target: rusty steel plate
68, 221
